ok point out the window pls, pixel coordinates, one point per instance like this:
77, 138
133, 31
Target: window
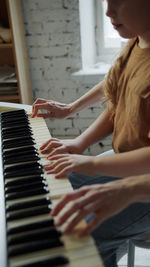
100, 43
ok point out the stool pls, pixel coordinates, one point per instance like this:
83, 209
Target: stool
142, 241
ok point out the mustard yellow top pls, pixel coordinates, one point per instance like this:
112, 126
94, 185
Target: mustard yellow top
132, 113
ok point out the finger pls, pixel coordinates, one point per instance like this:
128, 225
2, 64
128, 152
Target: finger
34, 111
54, 145
55, 164
62, 173
58, 167
59, 150
43, 105
76, 219
82, 212
95, 222
37, 106
89, 201
67, 214
52, 165
66, 199
49, 143
56, 157
37, 101
45, 144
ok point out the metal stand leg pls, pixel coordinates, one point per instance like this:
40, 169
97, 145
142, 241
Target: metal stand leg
131, 254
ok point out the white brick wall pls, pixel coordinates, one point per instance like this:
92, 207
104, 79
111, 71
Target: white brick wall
53, 40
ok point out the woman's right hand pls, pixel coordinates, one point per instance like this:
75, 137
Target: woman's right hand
56, 146
54, 109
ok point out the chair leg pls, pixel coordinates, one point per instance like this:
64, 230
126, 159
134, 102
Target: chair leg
131, 254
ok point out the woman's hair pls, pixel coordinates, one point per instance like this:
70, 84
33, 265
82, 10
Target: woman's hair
112, 78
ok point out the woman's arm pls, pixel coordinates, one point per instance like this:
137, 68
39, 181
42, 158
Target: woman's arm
90, 98
139, 187
134, 162
60, 110
101, 127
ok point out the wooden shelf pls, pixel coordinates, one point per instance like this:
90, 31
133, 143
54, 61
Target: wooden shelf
7, 97
14, 54
4, 45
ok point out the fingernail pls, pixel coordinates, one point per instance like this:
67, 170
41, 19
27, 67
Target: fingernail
45, 167
43, 151
51, 213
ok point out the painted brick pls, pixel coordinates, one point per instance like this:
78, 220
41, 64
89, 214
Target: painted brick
59, 124
53, 41
82, 123
52, 4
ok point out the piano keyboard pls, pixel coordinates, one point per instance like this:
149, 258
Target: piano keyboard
32, 240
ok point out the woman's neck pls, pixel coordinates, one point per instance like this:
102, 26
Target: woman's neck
144, 40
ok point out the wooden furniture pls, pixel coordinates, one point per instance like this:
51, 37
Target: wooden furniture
13, 53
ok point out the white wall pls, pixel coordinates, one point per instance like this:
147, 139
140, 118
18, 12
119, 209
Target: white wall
53, 41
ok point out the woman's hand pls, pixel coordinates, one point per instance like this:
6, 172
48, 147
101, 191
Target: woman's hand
56, 146
54, 109
65, 163
103, 201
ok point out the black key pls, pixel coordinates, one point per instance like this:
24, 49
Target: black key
15, 124
34, 246
18, 119
28, 204
11, 115
20, 188
21, 158
16, 130
50, 233
48, 262
21, 118
24, 173
15, 134
29, 193
32, 226
19, 151
18, 112
18, 142
23, 170
14, 118
22, 166
23, 181
28, 213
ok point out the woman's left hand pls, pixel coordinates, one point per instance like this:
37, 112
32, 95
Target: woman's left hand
65, 163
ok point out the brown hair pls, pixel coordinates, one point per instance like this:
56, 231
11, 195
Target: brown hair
112, 78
